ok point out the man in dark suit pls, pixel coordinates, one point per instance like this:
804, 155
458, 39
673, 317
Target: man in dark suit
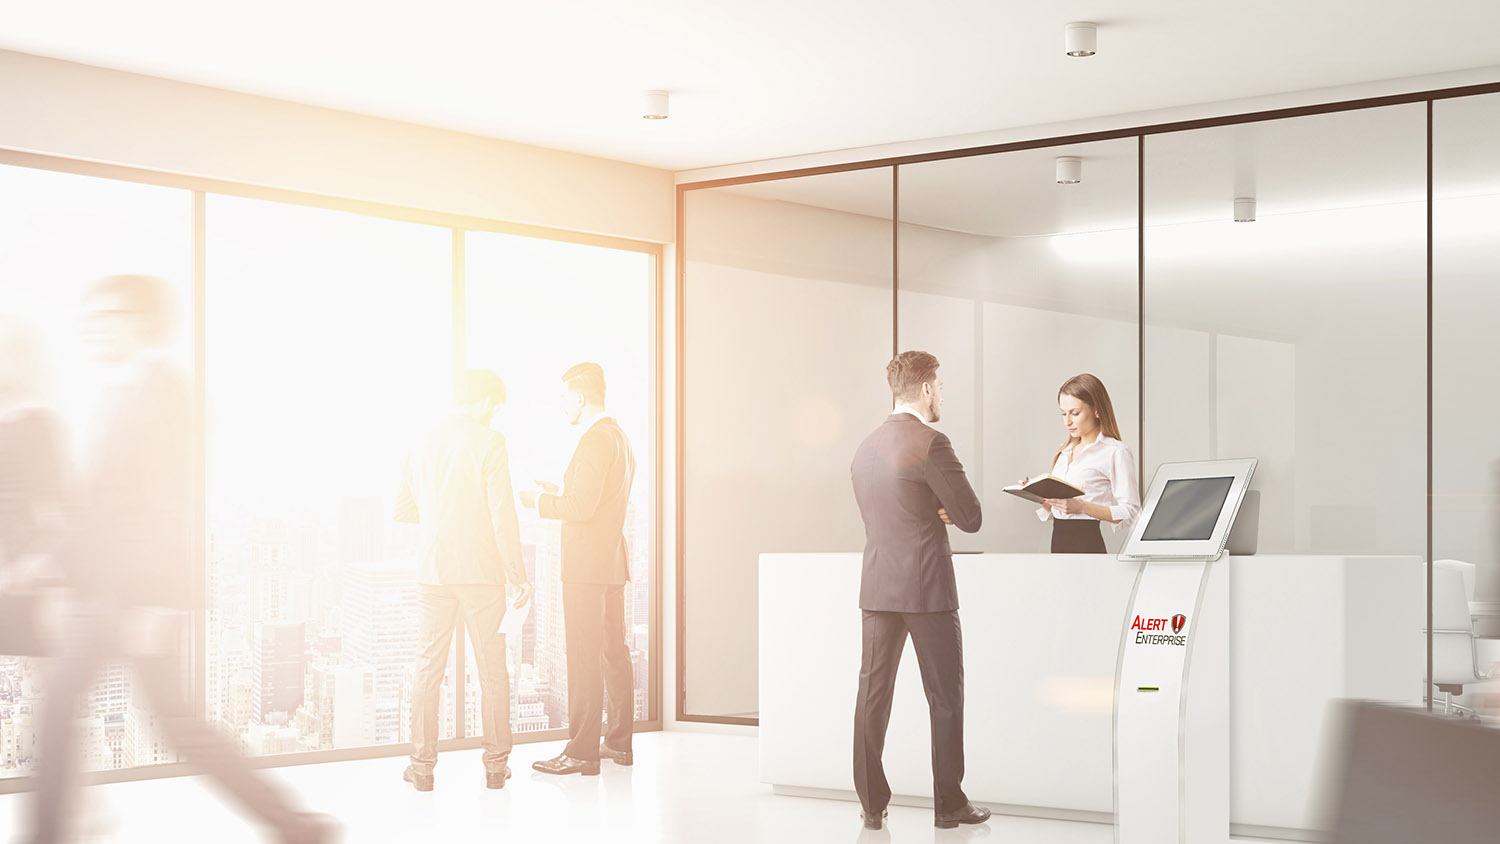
595, 569
910, 486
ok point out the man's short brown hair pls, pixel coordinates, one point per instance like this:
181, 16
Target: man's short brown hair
908, 371
587, 380
475, 385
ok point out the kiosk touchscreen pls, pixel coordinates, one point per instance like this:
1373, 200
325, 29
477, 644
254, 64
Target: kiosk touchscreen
1171, 721
1189, 510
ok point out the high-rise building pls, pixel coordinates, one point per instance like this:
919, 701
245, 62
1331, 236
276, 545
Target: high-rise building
551, 644
362, 521
277, 660
18, 736
379, 626
270, 739
528, 627
144, 742
340, 707
272, 584
528, 701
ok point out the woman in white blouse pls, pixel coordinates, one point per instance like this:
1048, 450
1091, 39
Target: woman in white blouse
1094, 459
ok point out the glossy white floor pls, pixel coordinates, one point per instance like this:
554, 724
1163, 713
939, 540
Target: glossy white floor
694, 788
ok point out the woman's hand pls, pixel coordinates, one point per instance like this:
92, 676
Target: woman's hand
1067, 506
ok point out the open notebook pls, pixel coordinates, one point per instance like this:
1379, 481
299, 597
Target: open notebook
1044, 486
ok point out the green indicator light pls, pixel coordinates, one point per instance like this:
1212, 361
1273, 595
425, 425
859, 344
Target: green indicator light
1147, 688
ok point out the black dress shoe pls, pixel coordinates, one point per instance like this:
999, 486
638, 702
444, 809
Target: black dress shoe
422, 782
496, 779
619, 757
562, 763
873, 821
968, 814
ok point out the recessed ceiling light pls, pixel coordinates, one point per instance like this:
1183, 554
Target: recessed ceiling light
1080, 38
654, 105
1069, 170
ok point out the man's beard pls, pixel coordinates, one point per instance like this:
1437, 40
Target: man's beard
933, 415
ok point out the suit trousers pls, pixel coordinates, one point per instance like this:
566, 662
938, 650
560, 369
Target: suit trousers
938, 641
90, 642
439, 608
598, 660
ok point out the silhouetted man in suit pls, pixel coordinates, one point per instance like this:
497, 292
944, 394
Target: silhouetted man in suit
595, 569
910, 486
456, 486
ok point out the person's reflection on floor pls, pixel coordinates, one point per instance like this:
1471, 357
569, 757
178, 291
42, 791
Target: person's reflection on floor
128, 558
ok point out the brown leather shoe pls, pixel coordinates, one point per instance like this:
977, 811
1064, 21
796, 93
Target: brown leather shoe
968, 814
562, 763
619, 757
422, 782
496, 779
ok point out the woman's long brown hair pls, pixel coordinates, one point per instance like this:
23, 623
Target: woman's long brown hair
1089, 390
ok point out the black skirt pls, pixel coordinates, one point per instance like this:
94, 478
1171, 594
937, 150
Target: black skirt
1077, 536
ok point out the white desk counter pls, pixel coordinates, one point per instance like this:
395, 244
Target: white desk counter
1041, 637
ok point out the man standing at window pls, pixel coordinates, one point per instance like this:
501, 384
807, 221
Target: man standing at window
457, 487
910, 486
595, 569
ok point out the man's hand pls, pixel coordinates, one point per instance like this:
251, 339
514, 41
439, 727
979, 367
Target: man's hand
548, 487
528, 498
523, 595
943, 514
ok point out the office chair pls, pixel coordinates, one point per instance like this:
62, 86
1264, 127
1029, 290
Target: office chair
1455, 658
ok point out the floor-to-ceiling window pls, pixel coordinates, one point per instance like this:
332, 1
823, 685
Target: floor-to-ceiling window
58, 234
535, 308
326, 341
328, 349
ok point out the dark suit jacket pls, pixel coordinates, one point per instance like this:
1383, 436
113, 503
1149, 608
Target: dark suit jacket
903, 472
596, 490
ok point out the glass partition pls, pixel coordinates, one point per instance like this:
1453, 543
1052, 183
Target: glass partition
1297, 333
1466, 300
1018, 282
1285, 320
787, 310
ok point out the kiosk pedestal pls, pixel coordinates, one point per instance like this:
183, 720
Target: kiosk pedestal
1171, 723
1172, 684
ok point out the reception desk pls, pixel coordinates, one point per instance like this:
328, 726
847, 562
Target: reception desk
1041, 639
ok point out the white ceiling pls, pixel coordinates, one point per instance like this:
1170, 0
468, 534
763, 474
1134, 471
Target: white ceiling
754, 80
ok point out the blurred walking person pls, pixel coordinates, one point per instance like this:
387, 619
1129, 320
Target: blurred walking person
128, 556
32, 472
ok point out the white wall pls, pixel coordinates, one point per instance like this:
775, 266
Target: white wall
76, 111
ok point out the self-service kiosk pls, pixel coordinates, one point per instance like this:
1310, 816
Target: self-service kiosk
1171, 717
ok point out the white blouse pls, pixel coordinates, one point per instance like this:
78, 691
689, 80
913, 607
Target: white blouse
1105, 471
